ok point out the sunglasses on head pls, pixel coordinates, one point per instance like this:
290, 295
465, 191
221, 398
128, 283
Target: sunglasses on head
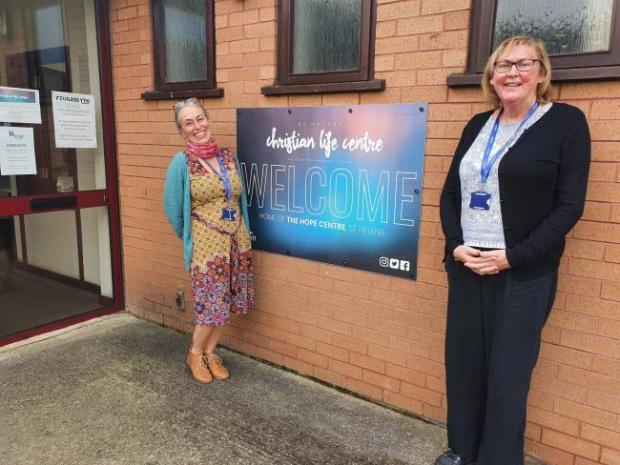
186, 103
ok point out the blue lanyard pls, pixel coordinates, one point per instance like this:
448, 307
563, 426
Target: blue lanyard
487, 165
224, 177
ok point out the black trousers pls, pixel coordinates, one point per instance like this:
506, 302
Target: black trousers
492, 343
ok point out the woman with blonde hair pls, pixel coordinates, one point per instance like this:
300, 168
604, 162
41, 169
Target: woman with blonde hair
516, 187
205, 203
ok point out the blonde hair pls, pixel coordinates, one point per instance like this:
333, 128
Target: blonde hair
190, 102
543, 91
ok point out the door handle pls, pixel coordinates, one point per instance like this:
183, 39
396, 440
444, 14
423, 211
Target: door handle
53, 203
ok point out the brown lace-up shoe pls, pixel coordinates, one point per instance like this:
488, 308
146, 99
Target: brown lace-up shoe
198, 365
218, 370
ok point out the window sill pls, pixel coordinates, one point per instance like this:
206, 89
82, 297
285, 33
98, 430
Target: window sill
325, 88
559, 75
216, 92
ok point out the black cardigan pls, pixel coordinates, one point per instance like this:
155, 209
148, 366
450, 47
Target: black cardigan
542, 182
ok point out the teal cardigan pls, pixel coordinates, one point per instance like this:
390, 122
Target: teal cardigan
178, 203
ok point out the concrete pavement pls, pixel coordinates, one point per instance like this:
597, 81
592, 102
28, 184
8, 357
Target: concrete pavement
116, 391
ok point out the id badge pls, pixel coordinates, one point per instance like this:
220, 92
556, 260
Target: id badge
228, 214
480, 200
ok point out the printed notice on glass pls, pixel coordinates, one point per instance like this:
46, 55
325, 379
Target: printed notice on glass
19, 106
17, 151
74, 120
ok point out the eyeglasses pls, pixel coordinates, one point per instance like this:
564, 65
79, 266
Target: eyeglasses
186, 103
503, 66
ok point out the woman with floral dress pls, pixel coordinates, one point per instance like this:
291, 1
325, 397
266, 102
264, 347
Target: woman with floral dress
205, 203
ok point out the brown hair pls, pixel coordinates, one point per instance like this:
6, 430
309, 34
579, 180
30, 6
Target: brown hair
543, 91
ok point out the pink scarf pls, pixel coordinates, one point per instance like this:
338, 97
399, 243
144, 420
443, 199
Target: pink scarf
208, 150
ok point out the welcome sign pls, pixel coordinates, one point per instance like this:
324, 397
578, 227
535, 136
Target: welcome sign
339, 185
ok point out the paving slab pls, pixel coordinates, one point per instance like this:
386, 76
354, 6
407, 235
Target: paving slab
116, 391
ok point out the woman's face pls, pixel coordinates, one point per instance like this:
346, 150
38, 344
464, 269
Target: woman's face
516, 87
194, 125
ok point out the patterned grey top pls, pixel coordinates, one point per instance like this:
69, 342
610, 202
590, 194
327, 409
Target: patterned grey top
484, 228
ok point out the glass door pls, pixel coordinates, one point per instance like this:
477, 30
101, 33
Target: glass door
59, 241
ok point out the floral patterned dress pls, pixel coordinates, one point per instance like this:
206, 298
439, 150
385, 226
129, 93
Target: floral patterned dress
221, 268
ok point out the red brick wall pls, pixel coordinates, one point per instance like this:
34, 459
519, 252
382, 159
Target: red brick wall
381, 337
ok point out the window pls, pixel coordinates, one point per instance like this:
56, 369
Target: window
183, 50
325, 46
582, 36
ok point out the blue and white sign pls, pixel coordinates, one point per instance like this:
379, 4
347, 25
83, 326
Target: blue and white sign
17, 156
19, 105
340, 185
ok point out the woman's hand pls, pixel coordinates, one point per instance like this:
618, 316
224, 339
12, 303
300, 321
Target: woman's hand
473, 259
464, 253
499, 256
482, 263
